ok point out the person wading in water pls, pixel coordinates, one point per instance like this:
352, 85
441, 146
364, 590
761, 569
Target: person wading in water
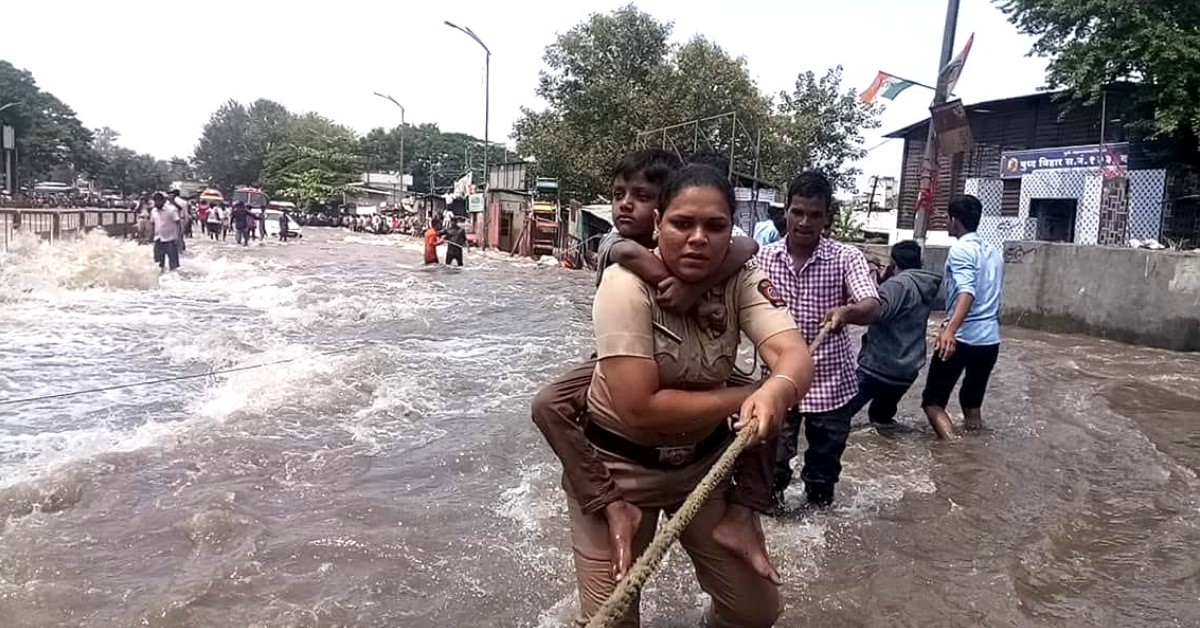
970, 338
558, 409
658, 406
168, 231
893, 350
431, 242
825, 283
456, 237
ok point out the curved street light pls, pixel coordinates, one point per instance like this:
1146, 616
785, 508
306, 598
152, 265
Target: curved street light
486, 94
394, 102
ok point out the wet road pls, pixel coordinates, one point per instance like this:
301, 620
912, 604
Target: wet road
401, 483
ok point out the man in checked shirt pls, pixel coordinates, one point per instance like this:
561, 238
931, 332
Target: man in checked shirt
822, 282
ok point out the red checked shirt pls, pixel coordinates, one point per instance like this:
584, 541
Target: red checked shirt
835, 275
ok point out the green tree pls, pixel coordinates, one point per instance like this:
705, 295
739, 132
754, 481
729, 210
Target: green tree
615, 75
224, 154
599, 83
49, 135
1094, 43
818, 126
425, 145
316, 162
701, 80
180, 169
270, 124
129, 172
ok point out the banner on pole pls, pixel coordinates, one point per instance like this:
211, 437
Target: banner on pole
953, 70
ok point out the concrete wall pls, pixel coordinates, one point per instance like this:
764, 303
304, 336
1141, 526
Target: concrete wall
1137, 296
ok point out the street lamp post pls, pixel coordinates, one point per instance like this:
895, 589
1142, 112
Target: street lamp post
487, 77
394, 102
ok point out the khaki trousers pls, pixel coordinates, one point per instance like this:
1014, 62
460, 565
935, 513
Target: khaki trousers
557, 412
740, 597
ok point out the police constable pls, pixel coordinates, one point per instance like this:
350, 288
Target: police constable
658, 401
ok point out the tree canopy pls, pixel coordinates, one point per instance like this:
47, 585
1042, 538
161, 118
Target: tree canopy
1094, 43
314, 161
125, 170
427, 149
818, 126
224, 154
50, 139
615, 75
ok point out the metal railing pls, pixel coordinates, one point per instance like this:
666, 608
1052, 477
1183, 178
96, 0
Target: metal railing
56, 224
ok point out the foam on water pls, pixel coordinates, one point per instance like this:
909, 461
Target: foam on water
99, 307
32, 267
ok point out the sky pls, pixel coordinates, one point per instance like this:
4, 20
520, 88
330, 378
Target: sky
155, 71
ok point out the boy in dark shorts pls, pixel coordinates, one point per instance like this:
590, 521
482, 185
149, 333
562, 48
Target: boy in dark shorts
558, 407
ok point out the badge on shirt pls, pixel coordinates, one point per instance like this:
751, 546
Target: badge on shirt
767, 289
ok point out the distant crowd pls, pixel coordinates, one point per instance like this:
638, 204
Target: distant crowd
374, 223
62, 200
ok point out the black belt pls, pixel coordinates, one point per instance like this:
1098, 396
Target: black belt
655, 457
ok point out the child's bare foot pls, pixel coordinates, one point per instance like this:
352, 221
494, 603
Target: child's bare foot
623, 519
740, 532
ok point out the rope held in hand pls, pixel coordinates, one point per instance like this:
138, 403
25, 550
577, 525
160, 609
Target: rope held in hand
630, 586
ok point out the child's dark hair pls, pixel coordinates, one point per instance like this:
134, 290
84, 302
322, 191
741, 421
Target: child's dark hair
710, 158
652, 164
968, 210
811, 184
906, 255
697, 176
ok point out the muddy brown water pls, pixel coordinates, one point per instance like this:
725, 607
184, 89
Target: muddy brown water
402, 484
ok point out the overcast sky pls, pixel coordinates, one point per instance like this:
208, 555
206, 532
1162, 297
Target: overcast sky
155, 71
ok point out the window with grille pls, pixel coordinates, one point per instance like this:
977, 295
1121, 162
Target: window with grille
1010, 201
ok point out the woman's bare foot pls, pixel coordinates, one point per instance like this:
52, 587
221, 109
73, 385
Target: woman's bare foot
740, 532
623, 519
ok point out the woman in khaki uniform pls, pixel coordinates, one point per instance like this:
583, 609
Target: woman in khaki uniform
658, 403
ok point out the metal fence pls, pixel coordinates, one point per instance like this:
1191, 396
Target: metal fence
52, 225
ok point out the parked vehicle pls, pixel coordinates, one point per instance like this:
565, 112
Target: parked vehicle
293, 229
252, 197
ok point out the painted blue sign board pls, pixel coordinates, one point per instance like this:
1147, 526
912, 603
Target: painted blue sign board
1018, 163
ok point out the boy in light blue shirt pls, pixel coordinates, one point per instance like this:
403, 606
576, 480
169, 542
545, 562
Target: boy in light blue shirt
969, 342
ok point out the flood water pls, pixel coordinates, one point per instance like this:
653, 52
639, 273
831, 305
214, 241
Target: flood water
400, 483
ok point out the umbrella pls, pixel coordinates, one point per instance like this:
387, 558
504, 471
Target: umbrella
211, 195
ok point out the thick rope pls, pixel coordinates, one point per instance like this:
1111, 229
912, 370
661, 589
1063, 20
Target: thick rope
630, 586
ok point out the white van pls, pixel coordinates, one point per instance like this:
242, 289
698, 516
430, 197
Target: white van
272, 225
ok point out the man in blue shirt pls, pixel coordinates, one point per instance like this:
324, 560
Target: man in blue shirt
970, 338
767, 231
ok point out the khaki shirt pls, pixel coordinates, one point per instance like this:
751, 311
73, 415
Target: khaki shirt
692, 351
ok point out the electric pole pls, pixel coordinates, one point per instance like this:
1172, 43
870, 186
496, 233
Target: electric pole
927, 187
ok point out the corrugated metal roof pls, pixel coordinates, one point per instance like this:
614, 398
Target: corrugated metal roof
603, 212
899, 133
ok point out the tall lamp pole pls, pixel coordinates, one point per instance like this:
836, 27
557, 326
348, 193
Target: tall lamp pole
487, 91
393, 101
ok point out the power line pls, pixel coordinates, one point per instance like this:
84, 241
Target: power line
177, 378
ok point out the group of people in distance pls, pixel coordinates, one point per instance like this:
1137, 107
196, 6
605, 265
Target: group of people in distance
638, 425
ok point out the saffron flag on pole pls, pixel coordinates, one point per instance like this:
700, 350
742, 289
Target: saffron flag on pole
886, 86
953, 70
